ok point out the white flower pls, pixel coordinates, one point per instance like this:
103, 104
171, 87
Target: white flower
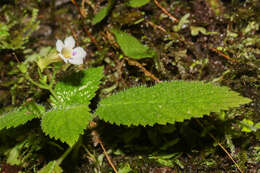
68, 53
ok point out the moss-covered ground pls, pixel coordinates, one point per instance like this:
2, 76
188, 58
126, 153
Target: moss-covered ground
210, 40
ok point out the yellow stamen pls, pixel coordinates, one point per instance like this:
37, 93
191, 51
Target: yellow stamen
66, 52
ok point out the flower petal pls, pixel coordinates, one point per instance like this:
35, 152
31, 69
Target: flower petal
62, 57
79, 52
75, 61
69, 42
59, 45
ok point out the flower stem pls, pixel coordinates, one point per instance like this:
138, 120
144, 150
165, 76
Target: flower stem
36, 83
43, 86
64, 155
53, 93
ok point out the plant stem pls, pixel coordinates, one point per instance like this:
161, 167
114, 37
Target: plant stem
43, 86
64, 155
53, 78
97, 139
53, 93
36, 83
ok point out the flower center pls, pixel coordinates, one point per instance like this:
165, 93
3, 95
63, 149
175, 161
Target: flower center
67, 52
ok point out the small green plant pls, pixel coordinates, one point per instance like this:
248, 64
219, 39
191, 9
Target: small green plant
69, 113
15, 32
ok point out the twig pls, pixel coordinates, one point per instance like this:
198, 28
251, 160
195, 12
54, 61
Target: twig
74, 34
91, 5
156, 26
137, 64
107, 156
174, 19
221, 146
96, 139
82, 9
86, 29
16, 57
223, 55
189, 43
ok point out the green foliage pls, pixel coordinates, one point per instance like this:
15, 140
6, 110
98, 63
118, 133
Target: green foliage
138, 3
78, 88
168, 160
44, 57
13, 155
25, 151
102, 13
248, 126
257, 125
257, 153
125, 169
51, 167
195, 30
70, 114
131, 46
66, 123
20, 116
15, 32
3, 31
167, 102
183, 21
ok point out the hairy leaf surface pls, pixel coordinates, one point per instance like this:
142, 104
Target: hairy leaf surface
131, 46
167, 102
78, 88
66, 123
70, 114
20, 116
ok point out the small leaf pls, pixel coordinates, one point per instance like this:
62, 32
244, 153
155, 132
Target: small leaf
102, 13
131, 46
19, 117
51, 167
247, 126
125, 168
257, 125
167, 102
138, 3
13, 156
79, 87
184, 20
195, 30
3, 31
70, 114
66, 123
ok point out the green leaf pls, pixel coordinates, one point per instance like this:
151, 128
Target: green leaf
131, 46
257, 125
20, 116
70, 114
247, 126
138, 3
195, 30
184, 20
66, 123
125, 168
3, 31
51, 167
102, 13
167, 102
79, 87
13, 156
